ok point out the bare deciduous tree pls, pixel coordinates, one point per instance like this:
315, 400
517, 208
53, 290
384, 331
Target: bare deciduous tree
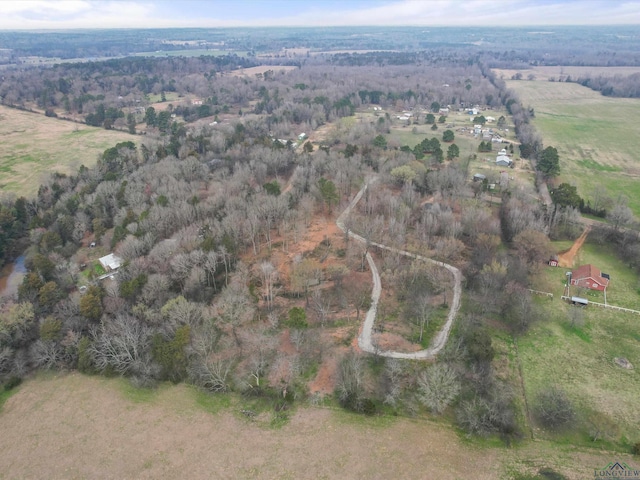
321, 306
438, 387
350, 381
123, 344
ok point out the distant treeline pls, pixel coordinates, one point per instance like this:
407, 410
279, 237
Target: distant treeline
616, 86
568, 45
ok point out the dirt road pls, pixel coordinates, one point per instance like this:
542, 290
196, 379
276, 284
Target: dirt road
365, 338
566, 259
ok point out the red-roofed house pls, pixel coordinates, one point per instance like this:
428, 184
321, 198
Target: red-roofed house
588, 276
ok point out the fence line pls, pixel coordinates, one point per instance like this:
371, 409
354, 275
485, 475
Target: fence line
538, 292
603, 305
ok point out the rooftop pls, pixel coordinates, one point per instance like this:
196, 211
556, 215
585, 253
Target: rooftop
110, 261
589, 271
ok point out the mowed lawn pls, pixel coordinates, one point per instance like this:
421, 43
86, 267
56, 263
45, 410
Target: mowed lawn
33, 146
597, 137
580, 359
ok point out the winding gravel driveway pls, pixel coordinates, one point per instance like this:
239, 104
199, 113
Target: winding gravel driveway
364, 339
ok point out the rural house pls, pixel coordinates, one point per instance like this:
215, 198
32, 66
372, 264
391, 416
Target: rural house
110, 262
588, 276
503, 161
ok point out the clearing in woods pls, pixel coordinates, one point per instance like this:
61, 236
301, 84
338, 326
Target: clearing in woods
597, 137
33, 146
94, 427
260, 70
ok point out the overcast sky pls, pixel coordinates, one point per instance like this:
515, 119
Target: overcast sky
55, 14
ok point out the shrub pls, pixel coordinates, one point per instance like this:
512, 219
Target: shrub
50, 329
553, 409
170, 353
12, 383
492, 413
550, 474
438, 387
85, 359
635, 449
297, 318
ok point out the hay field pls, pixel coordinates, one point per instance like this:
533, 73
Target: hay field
597, 137
33, 146
73, 426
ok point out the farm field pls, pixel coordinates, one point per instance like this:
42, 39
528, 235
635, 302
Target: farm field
33, 146
103, 428
546, 73
596, 136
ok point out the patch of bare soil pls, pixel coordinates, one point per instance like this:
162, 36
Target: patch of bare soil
320, 134
566, 259
325, 381
623, 362
394, 342
83, 427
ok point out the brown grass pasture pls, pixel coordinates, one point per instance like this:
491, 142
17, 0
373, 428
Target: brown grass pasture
597, 137
33, 146
555, 72
73, 426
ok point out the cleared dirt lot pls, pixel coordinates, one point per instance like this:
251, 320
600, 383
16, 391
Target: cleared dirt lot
73, 426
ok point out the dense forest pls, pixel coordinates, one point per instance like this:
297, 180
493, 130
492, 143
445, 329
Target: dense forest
203, 216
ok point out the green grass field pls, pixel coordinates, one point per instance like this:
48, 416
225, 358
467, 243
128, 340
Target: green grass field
580, 358
157, 97
33, 146
597, 137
